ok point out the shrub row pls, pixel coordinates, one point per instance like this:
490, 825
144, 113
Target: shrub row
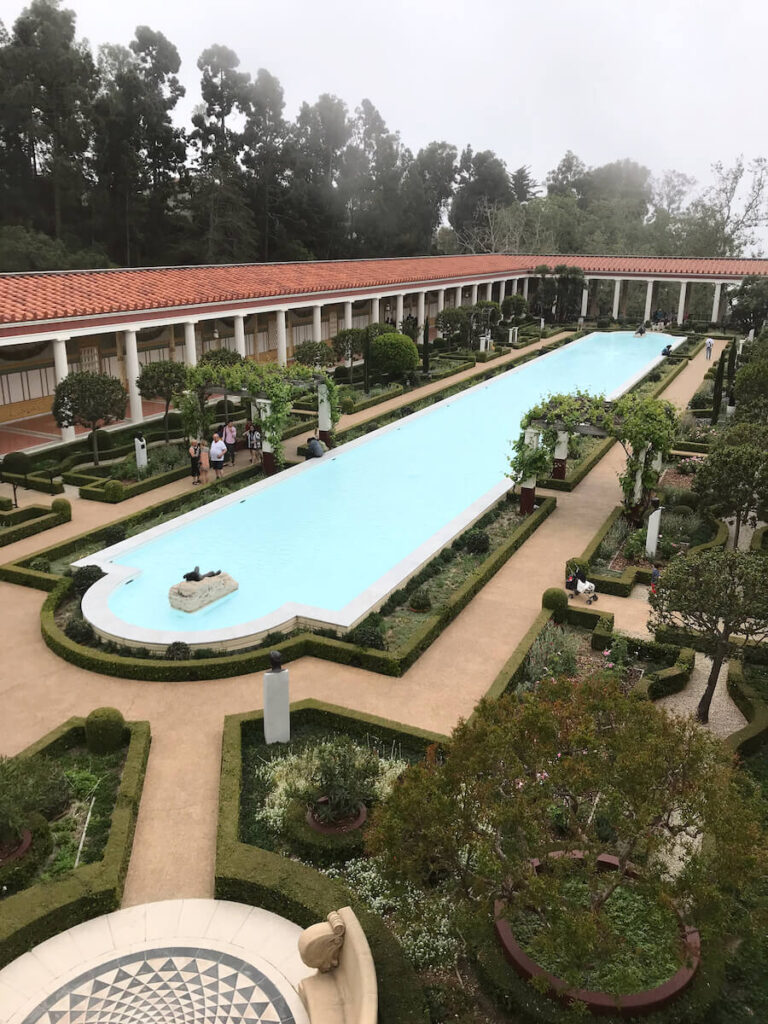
106, 491
30, 917
759, 542
26, 522
248, 874
668, 680
390, 663
749, 739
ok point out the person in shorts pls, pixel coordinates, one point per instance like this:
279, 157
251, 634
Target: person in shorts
218, 454
253, 442
194, 460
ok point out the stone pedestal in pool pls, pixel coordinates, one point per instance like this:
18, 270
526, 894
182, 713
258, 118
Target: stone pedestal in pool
191, 595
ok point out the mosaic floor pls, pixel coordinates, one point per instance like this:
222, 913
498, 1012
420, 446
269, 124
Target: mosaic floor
167, 986
173, 962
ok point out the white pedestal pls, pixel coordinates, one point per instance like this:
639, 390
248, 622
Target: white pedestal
277, 707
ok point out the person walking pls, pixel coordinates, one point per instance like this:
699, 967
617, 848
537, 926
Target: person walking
218, 454
230, 439
194, 460
708, 345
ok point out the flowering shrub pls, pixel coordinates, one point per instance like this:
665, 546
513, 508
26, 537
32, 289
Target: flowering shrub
688, 466
423, 923
552, 653
343, 771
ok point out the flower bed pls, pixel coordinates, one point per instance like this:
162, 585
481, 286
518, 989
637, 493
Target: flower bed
65, 896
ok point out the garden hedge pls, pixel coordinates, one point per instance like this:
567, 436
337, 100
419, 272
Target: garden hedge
248, 874
390, 663
29, 520
97, 488
621, 586
759, 542
748, 740
33, 915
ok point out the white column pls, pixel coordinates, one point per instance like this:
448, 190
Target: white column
190, 347
420, 308
61, 369
474, 294
317, 326
375, 309
323, 413
502, 291
132, 372
681, 302
584, 299
458, 296
648, 300
716, 302
282, 345
240, 336
525, 288
616, 297
441, 300
347, 315
488, 290
398, 311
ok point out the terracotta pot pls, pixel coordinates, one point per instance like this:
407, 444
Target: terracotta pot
602, 1003
338, 827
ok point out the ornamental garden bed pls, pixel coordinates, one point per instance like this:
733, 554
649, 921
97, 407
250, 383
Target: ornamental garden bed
77, 792
16, 524
682, 528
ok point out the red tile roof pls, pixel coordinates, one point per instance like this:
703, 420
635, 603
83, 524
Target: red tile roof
46, 298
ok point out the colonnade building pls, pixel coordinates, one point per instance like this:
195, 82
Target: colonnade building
114, 321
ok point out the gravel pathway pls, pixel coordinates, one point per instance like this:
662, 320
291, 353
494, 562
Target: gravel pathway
724, 716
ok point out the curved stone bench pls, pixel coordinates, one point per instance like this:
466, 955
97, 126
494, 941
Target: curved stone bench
343, 991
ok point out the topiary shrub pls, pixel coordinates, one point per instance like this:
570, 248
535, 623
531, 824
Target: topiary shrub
368, 633
114, 534
40, 565
393, 353
447, 555
17, 462
347, 405
421, 601
61, 507
80, 631
178, 651
556, 601
84, 577
114, 491
477, 542
104, 730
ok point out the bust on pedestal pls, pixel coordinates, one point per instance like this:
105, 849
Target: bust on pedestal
277, 702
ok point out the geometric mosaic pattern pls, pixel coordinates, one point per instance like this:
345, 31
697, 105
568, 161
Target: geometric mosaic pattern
167, 986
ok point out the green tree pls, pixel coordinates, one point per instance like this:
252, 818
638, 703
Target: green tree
482, 179
454, 321
393, 353
576, 766
646, 429
718, 594
91, 400
164, 380
733, 481
514, 306
717, 390
221, 357
751, 391
348, 345
749, 303
314, 353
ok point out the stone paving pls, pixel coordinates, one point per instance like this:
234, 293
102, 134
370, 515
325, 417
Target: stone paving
174, 848
196, 961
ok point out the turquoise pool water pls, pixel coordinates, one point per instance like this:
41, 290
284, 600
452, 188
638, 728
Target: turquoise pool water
322, 536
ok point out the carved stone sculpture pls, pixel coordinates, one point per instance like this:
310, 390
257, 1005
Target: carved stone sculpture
191, 595
320, 944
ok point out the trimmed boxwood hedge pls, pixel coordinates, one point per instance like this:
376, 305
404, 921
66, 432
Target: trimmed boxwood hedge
33, 915
97, 489
749, 702
248, 874
390, 663
32, 519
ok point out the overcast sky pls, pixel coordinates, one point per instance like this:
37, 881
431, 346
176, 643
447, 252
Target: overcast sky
669, 83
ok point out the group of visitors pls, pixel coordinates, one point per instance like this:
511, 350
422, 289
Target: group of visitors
222, 449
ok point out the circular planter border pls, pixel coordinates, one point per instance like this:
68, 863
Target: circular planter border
341, 827
601, 1003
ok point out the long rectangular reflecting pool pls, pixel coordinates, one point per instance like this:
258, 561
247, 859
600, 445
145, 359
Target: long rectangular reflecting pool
326, 541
